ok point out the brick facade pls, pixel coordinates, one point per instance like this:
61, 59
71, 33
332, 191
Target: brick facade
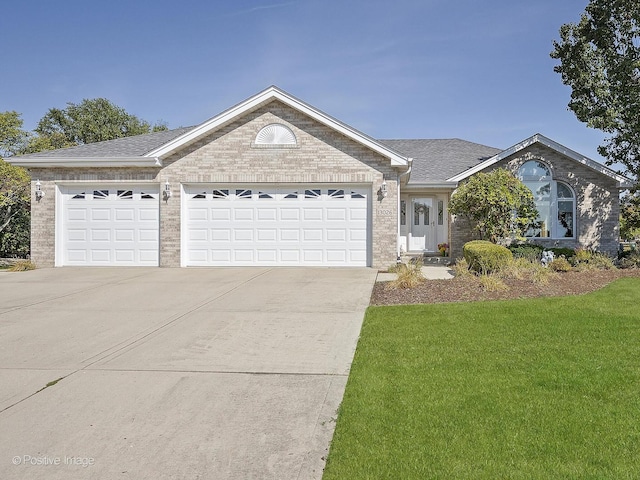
322, 155
597, 203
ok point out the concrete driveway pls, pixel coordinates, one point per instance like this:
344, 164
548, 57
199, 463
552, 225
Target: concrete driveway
174, 373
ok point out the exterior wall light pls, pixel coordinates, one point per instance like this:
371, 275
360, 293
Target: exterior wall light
383, 189
167, 191
39, 192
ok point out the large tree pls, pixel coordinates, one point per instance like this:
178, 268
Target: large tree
498, 205
600, 60
92, 120
14, 188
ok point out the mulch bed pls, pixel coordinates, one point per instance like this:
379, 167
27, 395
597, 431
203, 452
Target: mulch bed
470, 290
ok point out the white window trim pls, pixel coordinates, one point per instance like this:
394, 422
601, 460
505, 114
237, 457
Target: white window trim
553, 201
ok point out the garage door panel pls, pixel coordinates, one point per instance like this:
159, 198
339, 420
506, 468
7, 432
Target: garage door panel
110, 226
243, 214
291, 257
100, 214
77, 235
127, 235
148, 214
124, 215
243, 235
336, 235
77, 214
336, 256
223, 235
276, 226
150, 236
196, 214
289, 214
289, 235
100, 235
100, 256
243, 256
125, 256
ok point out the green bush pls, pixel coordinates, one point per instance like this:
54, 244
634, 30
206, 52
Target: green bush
485, 257
560, 264
589, 260
631, 260
526, 250
563, 252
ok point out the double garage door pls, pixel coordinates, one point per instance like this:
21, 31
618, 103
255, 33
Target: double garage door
221, 225
262, 225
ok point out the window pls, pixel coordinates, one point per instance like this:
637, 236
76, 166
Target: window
554, 200
125, 194
243, 194
440, 212
220, 194
403, 212
312, 193
336, 193
100, 194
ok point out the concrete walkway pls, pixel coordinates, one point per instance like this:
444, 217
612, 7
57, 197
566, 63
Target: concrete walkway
430, 272
174, 373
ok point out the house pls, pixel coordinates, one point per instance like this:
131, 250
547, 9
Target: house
275, 181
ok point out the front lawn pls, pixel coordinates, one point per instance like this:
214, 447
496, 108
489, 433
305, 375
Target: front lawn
539, 388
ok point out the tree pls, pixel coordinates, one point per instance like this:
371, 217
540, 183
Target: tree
12, 137
600, 60
630, 217
92, 121
497, 203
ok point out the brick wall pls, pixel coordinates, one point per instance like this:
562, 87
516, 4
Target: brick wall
321, 155
597, 202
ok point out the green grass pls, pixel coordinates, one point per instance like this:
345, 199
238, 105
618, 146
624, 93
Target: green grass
526, 389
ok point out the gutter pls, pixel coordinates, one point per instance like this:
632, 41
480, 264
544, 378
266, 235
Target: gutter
66, 162
400, 177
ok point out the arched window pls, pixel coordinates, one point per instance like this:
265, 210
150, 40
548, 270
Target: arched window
275, 134
555, 202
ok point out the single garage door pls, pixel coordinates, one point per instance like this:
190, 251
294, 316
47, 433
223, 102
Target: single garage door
296, 225
110, 225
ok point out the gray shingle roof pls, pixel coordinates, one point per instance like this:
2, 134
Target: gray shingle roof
436, 160
135, 146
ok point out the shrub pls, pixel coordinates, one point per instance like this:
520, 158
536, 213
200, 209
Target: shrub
526, 250
631, 260
526, 269
563, 252
491, 283
560, 264
486, 257
588, 260
461, 268
409, 275
22, 266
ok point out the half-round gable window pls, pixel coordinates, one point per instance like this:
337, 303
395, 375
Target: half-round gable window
276, 134
555, 202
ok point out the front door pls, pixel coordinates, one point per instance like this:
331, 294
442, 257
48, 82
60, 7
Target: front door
422, 225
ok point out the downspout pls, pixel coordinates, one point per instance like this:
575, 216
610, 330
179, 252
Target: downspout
400, 177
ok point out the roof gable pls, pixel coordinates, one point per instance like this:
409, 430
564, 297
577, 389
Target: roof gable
623, 182
270, 94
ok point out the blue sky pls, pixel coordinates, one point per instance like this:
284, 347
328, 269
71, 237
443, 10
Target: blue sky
475, 70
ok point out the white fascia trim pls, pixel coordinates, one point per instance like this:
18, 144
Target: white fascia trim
623, 182
274, 93
66, 162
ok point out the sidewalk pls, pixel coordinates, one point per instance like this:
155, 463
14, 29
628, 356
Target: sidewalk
430, 272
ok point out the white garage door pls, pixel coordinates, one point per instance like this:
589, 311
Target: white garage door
298, 225
110, 225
